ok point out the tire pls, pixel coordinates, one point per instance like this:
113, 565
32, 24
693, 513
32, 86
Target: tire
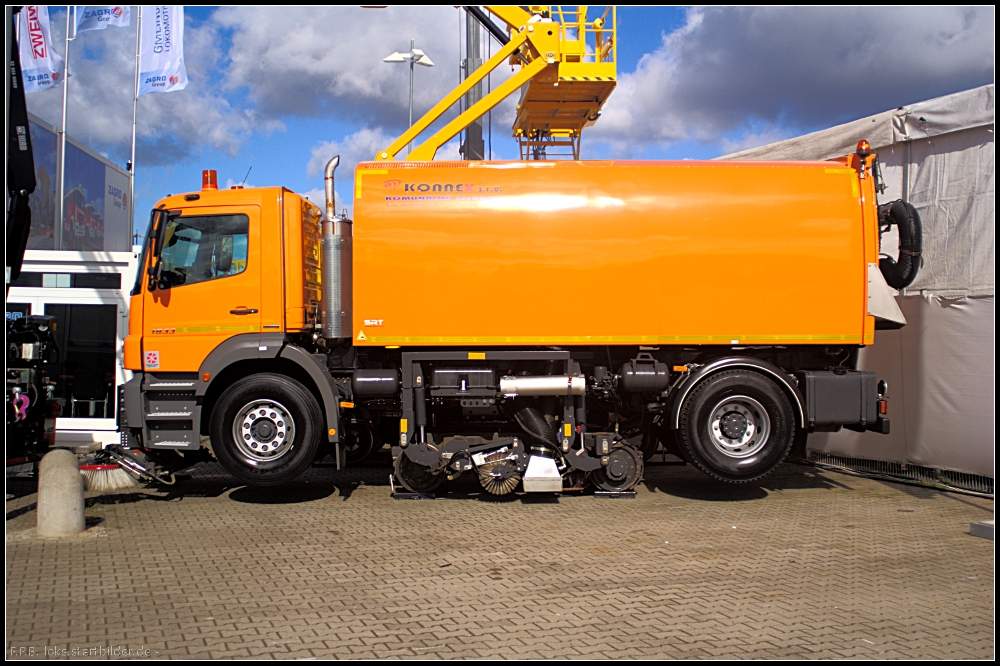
799, 444
650, 444
736, 426
671, 440
358, 442
281, 426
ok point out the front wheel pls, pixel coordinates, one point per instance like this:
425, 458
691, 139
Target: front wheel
266, 429
736, 426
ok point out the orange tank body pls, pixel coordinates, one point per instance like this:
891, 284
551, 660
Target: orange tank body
578, 253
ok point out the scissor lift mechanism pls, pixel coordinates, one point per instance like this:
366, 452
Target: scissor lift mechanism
567, 68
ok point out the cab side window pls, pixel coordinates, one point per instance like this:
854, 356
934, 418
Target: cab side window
204, 247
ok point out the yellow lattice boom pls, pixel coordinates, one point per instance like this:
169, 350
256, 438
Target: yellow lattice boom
565, 61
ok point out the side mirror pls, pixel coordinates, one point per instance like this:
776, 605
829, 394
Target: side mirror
161, 217
157, 225
224, 258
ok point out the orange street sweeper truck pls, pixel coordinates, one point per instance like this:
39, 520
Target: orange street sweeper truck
540, 324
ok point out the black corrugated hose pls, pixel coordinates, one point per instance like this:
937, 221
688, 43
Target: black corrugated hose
532, 422
901, 273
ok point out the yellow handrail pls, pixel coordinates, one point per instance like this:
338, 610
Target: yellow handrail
568, 68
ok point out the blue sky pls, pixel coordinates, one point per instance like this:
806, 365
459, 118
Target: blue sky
281, 89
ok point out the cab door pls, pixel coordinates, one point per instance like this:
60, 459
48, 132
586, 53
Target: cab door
207, 286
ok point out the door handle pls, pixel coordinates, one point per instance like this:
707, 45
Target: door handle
244, 311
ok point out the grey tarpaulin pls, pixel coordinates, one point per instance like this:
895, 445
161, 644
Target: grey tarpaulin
939, 156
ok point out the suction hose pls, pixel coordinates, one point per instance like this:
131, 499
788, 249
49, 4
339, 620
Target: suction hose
902, 273
532, 422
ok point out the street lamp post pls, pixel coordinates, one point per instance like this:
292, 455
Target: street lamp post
414, 57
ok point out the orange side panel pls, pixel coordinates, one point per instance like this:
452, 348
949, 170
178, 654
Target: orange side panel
272, 299
570, 253
302, 263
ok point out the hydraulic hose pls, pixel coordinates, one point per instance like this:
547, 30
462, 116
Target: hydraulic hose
901, 273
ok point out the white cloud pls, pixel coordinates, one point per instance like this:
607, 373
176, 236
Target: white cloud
794, 68
357, 147
312, 61
760, 137
170, 125
230, 183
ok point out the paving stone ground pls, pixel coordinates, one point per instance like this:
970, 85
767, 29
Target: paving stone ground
806, 564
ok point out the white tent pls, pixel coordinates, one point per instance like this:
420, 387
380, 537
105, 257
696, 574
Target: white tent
938, 155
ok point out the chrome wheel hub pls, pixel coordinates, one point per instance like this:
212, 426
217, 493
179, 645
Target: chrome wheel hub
739, 426
263, 430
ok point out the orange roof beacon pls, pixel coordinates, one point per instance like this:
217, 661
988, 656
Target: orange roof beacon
542, 324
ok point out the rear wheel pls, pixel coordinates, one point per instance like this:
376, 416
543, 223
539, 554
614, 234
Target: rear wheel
650, 444
736, 426
265, 429
358, 442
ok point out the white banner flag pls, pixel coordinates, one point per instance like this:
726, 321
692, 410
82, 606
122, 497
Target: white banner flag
99, 18
161, 59
41, 67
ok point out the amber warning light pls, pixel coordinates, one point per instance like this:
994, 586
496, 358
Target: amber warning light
209, 180
864, 148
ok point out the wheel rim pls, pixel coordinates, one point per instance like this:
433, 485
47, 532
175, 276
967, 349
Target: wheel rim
263, 430
739, 426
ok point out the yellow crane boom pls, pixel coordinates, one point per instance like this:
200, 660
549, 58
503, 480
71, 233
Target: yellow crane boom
566, 60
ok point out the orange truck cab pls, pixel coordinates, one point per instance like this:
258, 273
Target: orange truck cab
543, 325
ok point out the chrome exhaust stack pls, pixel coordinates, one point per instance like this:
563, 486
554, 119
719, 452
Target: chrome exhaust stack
337, 265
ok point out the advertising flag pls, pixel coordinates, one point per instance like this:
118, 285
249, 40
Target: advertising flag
161, 52
40, 65
99, 18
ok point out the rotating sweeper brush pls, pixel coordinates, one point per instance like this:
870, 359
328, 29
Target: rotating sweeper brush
498, 474
107, 477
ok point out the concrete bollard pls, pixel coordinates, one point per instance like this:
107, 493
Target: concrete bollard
60, 495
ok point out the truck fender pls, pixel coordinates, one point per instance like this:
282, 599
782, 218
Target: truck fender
324, 382
245, 347
785, 381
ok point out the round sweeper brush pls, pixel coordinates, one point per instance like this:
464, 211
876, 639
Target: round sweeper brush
106, 478
498, 475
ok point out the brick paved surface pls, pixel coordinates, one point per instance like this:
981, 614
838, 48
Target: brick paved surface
807, 564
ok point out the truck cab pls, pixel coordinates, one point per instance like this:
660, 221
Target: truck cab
226, 279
